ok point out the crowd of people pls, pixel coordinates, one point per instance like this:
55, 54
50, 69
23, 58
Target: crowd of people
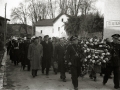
76, 56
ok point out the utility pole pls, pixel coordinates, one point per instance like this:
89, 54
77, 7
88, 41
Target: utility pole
5, 25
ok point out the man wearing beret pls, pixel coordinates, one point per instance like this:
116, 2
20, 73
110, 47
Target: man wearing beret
74, 55
114, 62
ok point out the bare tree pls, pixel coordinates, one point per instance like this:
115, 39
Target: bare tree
19, 14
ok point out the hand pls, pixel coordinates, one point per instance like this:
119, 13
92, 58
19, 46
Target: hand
69, 63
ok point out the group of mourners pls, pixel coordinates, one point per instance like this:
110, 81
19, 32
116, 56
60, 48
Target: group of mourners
73, 55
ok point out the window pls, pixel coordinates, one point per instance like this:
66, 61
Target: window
58, 28
62, 19
41, 31
52, 30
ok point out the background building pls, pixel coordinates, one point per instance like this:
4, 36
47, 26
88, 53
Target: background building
52, 27
111, 18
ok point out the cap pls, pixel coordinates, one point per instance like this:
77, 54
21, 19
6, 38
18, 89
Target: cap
73, 38
115, 36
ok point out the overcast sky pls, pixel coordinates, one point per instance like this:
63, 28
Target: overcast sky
14, 3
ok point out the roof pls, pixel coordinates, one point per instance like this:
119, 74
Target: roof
4, 18
49, 22
60, 16
45, 22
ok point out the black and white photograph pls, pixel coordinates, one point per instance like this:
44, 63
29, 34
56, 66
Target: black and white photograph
59, 44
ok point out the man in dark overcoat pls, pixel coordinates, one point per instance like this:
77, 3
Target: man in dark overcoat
114, 62
47, 54
60, 54
74, 56
25, 60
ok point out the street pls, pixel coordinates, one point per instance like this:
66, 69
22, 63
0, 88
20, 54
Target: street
17, 79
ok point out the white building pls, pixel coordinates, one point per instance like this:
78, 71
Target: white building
52, 27
111, 18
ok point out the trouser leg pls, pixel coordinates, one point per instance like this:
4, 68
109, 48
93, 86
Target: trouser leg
74, 76
33, 72
107, 74
116, 76
28, 65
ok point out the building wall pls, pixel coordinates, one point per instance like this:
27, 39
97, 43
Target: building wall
111, 18
59, 26
44, 30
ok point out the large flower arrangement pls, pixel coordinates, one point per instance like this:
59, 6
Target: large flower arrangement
96, 52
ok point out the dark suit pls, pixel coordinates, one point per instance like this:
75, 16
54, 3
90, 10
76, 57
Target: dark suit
113, 65
47, 54
59, 54
75, 60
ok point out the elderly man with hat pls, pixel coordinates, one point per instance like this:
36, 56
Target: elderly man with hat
74, 56
114, 62
35, 53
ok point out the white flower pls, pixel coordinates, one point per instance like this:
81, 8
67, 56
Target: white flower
85, 51
99, 63
101, 57
96, 56
103, 54
87, 42
104, 61
85, 45
93, 55
91, 39
89, 56
93, 61
96, 43
90, 59
107, 53
85, 60
100, 45
88, 49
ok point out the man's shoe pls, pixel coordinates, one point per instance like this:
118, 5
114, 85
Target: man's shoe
64, 80
76, 88
116, 87
60, 77
104, 83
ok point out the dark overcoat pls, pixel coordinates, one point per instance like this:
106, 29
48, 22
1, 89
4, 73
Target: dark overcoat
47, 53
60, 54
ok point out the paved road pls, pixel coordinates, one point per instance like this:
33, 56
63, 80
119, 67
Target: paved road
18, 79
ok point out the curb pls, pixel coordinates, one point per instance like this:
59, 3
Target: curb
3, 78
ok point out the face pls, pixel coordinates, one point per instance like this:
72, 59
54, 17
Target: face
115, 40
46, 39
36, 41
61, 41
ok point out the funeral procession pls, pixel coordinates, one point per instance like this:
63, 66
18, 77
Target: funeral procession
60, 45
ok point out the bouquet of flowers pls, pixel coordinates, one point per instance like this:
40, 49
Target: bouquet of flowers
96, 53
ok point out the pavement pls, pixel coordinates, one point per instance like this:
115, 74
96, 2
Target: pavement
17, 79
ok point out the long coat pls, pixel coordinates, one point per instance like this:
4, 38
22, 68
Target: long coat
35, 52
59, 54
47, 53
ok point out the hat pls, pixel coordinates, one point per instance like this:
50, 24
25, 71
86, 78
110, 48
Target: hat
73, 38
115, 36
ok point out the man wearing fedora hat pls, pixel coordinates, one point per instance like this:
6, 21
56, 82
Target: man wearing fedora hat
114, 62
74, 55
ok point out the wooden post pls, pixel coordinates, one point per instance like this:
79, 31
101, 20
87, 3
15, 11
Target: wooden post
5, 26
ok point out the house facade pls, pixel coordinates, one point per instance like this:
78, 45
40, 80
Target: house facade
111, 18
52, 27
